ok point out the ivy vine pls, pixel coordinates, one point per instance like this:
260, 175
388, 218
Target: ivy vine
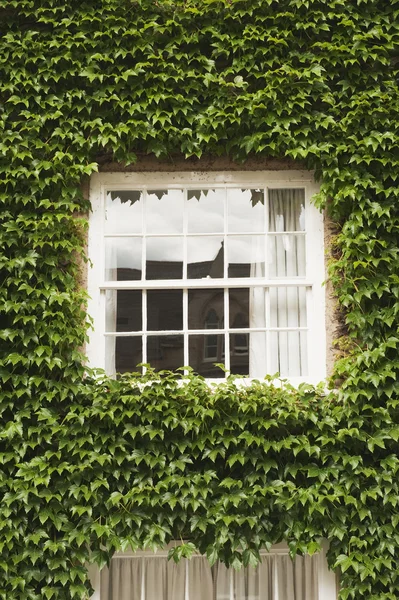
90, 465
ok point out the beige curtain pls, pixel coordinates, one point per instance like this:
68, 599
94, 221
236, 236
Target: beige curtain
298, 580
277, 577
200, 582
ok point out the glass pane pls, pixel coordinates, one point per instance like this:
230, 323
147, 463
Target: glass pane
205, 210
288, 307
288, 353
164, 258
239, 307
246, 256
286, 255
287, 210
205, 257
126, 352
123, 211
122, 259
239, 353
165, 351
164, 211
205, 309
123, 309
204, 350
245, 210
257, 354
164, 310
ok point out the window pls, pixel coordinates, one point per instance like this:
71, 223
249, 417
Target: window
148, 576
198, 268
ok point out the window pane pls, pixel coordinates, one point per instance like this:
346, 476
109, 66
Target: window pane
245, 210
123, 211
287, 210
258, 354
164, 310
239, 353
205, 309
123, 310
164, 258
286, 255
204, 350
165, 351
239, 307
288, 307
122, 259
205, 210
124, 352
164, 211
246, 256
288, 353
205, 257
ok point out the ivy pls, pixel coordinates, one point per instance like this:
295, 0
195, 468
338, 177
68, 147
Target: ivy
89, 465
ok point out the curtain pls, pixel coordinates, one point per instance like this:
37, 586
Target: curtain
277, 577
144, 578
287, 260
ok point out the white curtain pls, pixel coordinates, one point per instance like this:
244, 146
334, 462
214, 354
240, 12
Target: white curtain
285, 259
277, 577
288, 354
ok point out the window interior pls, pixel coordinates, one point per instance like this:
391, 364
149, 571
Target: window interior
206, 275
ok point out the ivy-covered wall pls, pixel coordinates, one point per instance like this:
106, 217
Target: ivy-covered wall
90, 465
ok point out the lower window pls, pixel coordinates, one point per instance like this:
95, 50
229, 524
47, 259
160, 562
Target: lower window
148, 576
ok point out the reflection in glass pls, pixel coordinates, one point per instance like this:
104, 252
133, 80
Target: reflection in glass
205, 211
164, 211
287, 210
204, 350
126, 352
239, 307
246, 256
123, 310
123, 211
122, 258
205, 257
245, 210
239, 353
205, 308
164, 310
165, 351
288, 354
164, 258
287, 255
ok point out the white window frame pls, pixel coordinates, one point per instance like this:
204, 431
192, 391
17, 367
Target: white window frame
97, 286
327, 580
